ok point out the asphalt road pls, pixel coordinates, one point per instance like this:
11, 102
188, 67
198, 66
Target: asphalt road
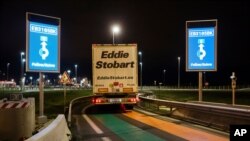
106, 123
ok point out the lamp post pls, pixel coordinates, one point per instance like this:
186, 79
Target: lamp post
179, 60
164, 76
69, 71
76, 71
22, 75
140, 54
21, 71
23, 61
204, 77
59, 76
8, 64
115, 29
141, 74
31, 80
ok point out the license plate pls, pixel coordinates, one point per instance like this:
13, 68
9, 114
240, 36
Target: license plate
115, 100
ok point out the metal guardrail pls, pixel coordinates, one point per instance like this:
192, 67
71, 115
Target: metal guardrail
232, 111
232, 114
74, 101
216, 114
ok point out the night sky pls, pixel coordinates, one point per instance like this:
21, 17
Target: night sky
157, 26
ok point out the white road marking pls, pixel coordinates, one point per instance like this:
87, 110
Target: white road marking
92, 124
95, 127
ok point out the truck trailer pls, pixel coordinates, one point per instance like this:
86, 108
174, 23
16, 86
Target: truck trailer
115, 74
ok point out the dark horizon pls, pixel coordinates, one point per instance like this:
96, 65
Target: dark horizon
158, 27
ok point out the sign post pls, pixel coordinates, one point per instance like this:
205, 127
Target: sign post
41, 118
65, 79
201, 48
42, 49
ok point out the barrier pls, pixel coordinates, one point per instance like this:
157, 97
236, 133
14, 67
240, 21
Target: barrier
74, 101
213, 115
17, 119
56, 131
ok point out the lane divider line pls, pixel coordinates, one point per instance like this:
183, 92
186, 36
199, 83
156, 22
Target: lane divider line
92, 124
95, 127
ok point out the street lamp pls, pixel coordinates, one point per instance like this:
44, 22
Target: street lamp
115, 29
179, 60
140, 54
141, 74
59, 76
23, 61
69, 71
21, 75
164, 76
76, 71
31, 80
8, 64
204, 73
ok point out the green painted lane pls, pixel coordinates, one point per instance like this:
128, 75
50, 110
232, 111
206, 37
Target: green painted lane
125, 130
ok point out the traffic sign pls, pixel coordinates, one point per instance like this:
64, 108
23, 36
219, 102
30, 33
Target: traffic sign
43, 43
65, 79
201, 46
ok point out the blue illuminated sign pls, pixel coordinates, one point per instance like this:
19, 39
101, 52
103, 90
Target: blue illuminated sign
201, 49
43, 47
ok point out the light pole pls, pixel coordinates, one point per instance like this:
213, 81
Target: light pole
179, 60
140, 54
22, 76
141, 74
164, 76
115, 29
69, 71
21, 71
204, 76
31, 80
76, 71
8, 64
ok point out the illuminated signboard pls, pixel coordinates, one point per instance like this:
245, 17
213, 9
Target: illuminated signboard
43, 46
201, 49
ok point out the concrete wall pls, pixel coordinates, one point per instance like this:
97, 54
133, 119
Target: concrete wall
56, 131
17, 123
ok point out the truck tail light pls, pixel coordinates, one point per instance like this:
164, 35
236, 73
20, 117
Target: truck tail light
97, 100
132, 100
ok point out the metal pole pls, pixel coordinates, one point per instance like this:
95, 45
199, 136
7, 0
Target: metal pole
76, 72
179, 59
42, 118
164, 77
233, 77
200, 86
8, 71
41, 95
141, 75
140, 53
64, 86
21, 75
113, 37
233, 97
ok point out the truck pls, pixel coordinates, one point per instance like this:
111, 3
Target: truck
115, 74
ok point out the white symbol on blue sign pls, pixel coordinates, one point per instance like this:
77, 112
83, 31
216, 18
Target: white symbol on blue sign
201, 53
44, 52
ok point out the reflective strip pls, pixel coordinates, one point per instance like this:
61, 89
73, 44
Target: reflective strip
9, 105
14, 105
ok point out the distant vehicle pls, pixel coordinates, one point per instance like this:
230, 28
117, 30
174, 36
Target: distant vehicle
115, 77
7, 84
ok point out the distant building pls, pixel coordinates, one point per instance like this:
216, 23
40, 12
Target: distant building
84, 82
7, 84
